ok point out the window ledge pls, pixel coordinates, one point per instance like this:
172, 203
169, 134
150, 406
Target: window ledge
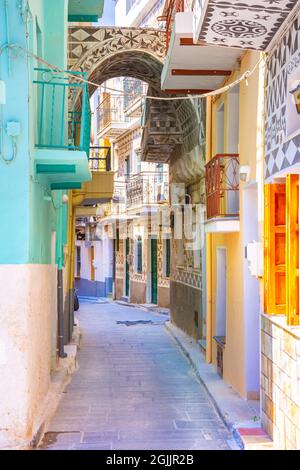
280, 320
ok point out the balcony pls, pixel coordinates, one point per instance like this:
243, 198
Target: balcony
239, 24
100, 188
222, 194
202, 67
147, 189
63, 129
134, 103
139, 193
111, 118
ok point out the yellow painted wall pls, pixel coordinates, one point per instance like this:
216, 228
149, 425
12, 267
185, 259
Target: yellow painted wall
249, 151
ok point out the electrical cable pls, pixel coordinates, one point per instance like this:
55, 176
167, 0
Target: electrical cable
245, 76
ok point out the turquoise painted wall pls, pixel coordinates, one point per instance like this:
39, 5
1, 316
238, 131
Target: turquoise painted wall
27, 219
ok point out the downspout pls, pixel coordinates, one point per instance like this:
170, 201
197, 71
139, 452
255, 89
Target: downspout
60, 300
71, 252
114, 263
72, 238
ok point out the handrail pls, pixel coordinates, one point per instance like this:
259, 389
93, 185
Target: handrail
174, 6
61, 123
100, 158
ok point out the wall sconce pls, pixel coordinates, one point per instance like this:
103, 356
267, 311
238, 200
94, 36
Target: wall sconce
296, 93
244, 172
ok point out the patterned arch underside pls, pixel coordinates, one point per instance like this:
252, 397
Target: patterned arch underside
106, 53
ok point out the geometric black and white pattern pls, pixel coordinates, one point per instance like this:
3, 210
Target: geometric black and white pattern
188, 278
107, 52
279, 153
248, 25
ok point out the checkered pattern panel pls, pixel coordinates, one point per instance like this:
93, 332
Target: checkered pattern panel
279, 153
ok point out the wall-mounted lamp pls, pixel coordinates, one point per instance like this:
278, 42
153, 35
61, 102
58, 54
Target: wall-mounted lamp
244, 172
65, 199
296, 93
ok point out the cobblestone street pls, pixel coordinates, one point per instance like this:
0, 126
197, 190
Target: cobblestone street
134, 389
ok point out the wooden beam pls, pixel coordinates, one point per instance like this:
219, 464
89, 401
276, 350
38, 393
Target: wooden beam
200, 72
187, 91
190, 42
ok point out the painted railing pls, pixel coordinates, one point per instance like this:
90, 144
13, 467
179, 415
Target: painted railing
63, 110
222, 186
100, 158
179, 6
174, 6
134, 100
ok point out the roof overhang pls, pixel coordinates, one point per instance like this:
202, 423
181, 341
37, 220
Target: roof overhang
202, 67
85, 10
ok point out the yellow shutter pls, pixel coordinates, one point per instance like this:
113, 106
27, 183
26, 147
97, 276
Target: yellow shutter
274, 248
292, 249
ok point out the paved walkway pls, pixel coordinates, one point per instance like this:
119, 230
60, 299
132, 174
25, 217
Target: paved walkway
134, 389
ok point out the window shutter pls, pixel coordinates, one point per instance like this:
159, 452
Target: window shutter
292, 249
168, 269
140, 257
275, 249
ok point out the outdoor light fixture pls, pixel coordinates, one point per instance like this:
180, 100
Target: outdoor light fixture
65, 199
296, 93
244, 172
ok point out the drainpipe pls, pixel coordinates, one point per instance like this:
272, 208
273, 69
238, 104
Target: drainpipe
60, 301
60, 315
114, 263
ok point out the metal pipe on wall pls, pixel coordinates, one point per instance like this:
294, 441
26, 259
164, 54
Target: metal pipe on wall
60, 314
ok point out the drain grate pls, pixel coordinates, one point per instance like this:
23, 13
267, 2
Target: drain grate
136, 322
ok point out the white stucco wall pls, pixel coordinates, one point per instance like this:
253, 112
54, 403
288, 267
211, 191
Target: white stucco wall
103, 252
25, 350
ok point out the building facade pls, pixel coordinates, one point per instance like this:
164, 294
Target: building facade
42, 158
280, 331
252, 303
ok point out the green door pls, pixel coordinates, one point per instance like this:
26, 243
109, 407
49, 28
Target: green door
127, 267
153, 270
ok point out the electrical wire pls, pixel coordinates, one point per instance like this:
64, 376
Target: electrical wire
245, 76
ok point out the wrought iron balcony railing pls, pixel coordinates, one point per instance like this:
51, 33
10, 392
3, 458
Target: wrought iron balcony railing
222, 186
111, 111
142, 189
63, 110
147, 188
100, 158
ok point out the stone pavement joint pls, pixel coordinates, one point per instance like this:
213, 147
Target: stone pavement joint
134, 390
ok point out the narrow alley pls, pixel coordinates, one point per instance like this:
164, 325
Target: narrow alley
134, 389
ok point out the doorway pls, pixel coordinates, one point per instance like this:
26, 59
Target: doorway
154, 270
221, 293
